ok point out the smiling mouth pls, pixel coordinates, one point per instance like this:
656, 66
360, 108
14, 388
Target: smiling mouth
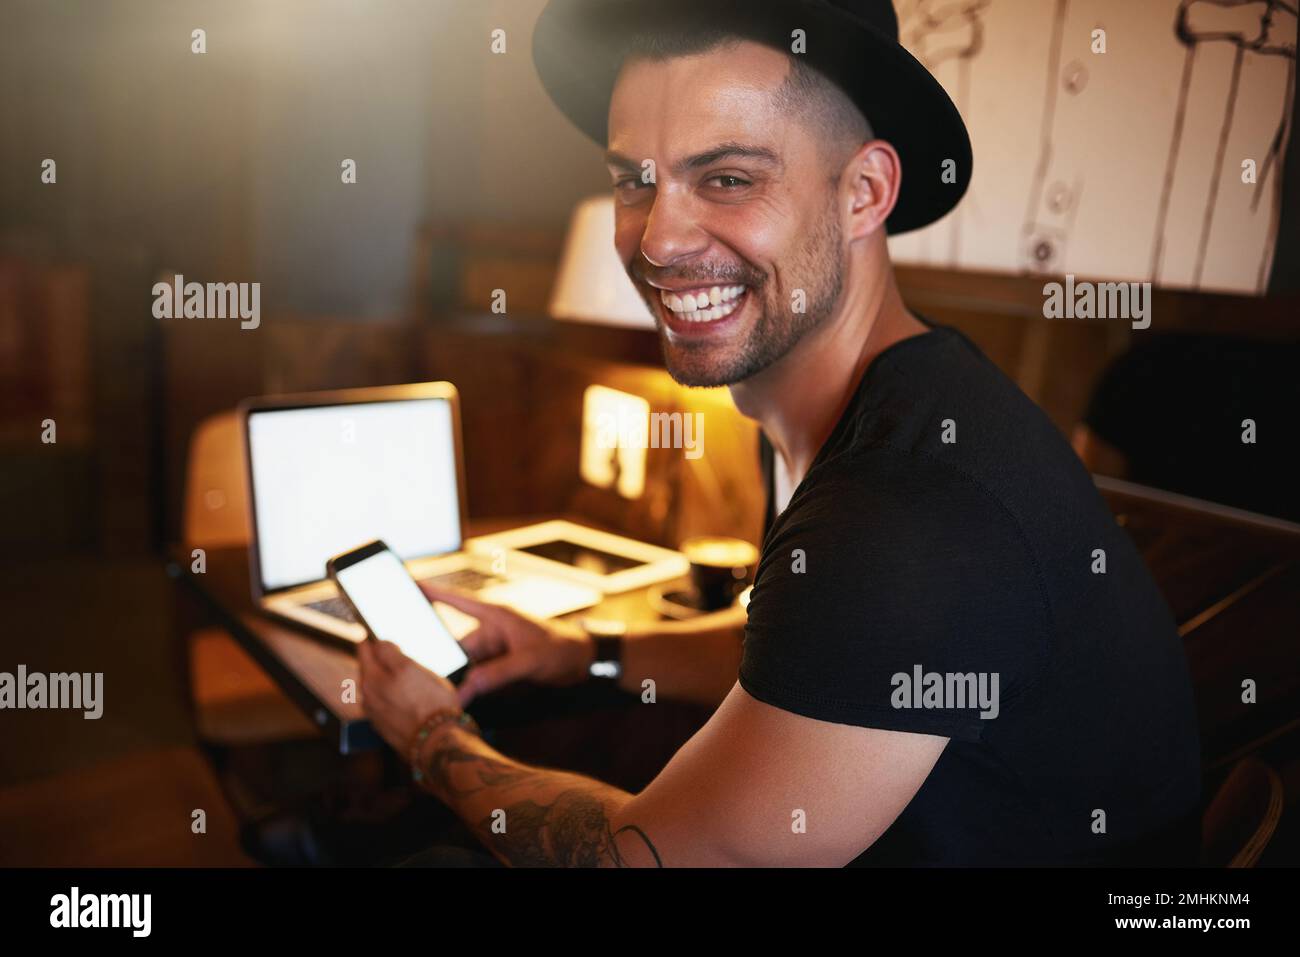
703, 305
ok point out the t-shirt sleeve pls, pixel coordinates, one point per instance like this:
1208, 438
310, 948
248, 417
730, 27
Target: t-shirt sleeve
895, 593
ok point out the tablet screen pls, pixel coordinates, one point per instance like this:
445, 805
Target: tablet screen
582, 557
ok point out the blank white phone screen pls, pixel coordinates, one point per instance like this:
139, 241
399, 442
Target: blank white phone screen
396, 610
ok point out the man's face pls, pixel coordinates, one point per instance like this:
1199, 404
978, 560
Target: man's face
757, 235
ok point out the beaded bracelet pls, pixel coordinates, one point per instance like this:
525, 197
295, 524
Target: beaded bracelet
440, 717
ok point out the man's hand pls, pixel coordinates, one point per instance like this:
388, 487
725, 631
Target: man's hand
397, 694
507, 646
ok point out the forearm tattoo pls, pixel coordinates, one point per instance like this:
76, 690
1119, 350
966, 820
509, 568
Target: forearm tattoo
559, 821
478, 772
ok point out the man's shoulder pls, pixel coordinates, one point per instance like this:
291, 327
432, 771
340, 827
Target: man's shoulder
938, 432
907, 538
888, 488
885, 559
941, 393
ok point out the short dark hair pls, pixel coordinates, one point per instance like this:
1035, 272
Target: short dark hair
807, 92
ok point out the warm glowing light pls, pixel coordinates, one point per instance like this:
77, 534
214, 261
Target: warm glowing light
614, 427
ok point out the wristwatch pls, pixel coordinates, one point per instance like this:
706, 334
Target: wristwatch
607, 641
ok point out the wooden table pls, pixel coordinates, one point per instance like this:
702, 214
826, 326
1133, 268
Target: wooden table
1233, 583
311, 670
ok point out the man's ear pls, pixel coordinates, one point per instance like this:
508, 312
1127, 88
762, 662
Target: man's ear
875, 176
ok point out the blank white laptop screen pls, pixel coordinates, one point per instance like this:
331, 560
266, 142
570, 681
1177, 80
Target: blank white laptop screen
329, 478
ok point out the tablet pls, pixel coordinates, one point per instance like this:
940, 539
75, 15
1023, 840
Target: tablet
601, 560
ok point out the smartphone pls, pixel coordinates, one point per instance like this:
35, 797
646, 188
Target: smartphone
388, 602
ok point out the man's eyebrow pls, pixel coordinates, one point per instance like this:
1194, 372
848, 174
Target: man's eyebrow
726, 150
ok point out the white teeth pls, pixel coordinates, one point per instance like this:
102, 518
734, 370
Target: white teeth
706, 305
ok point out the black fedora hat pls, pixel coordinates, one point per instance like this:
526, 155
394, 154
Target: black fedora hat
579, 46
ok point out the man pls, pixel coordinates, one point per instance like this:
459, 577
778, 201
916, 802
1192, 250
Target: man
952, 655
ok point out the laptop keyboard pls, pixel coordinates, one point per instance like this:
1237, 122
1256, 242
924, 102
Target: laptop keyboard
465, 578
336, 607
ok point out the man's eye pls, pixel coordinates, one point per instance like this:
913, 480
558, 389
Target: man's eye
631, 181
736, 180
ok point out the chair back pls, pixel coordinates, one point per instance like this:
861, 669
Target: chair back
1243, 816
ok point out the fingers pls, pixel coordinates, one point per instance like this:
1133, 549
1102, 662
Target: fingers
483, 611
466, 693
388, 655
482, 643
366, 657
371, 673
491, 675
476, 645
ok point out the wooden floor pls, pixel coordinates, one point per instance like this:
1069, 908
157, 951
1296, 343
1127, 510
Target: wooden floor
134, 811
119, 790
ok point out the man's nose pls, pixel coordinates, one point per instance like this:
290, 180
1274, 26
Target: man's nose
671, 231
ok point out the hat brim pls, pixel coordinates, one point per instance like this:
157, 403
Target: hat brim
578, 52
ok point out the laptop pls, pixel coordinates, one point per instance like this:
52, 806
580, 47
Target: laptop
330, 471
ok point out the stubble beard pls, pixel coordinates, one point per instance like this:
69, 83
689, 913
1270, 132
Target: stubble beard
778, 328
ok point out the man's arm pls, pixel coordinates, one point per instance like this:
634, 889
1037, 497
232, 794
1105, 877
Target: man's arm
755, 786
693, 661
532, 817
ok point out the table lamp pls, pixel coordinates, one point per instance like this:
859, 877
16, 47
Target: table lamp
592, 285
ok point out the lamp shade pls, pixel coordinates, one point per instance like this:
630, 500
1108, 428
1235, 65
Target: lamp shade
592, 285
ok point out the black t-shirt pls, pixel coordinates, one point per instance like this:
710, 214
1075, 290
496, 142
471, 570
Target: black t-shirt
944, 534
